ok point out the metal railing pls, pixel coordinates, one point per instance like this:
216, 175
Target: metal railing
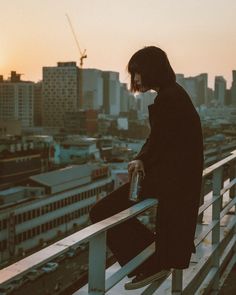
205, 276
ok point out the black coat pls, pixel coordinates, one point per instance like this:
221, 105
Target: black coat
173, 164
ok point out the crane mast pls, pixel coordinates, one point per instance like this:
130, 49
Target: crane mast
83, 55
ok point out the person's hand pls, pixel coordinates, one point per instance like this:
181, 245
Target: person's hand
135, 166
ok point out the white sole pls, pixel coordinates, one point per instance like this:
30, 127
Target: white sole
147, 281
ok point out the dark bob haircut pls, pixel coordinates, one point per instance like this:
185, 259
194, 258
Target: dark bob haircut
153, 65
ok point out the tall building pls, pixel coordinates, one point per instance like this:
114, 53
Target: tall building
220, 90
38, 104
196, 87
233, 88
60, 92
202, 82
145, 99
92, 89
111, 92
16, 100
126, 99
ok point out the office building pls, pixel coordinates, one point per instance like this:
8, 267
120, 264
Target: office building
16, 100
220, 90
196, 87
60, 93
92, 89
56, 204
38, 104
233, 88
111, 93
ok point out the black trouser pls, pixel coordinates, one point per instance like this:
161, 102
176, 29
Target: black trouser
129, 238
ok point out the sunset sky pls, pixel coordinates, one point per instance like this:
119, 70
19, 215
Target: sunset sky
198, 35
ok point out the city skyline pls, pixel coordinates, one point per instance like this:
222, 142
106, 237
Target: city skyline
8, 76
199, 38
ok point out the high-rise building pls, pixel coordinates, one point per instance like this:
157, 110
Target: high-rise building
202, 82
16, 100
60, 92
196, 87
92, 89
126, 98
220, 90
233, 88
145, 99
38, 104
111, 92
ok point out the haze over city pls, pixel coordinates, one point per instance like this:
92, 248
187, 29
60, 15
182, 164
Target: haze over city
198, 36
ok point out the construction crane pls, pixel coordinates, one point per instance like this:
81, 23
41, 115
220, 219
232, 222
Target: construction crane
83, 55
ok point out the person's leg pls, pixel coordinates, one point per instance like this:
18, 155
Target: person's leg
152, 269
129, 238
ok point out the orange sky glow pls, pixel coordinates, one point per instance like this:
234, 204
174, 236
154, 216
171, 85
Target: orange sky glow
198, 35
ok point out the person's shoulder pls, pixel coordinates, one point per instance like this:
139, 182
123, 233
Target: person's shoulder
173, 90
175, 98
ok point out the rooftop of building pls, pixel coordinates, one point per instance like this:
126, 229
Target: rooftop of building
17, 195
63, 175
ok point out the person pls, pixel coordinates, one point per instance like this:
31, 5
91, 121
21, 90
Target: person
171, 161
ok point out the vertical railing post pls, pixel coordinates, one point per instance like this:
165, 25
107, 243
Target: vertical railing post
177, 282
232, 175
203, 192
232, 192
216, 208
97, 264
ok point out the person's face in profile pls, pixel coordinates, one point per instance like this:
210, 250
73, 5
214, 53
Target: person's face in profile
138, 83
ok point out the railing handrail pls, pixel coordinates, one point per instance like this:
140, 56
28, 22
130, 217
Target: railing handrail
210, 169
89, 233
42, 256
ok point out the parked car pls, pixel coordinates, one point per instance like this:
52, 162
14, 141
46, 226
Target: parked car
83, 246
50, 267
71, 253
60, 258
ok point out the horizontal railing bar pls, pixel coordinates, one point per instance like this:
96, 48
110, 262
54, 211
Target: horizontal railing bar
192, 277
129, 267
228, 187
120, 217
225, 239
231, 224
229, 249
153, 287
207, 204
202, 263
208, 229
39, 258
227, 271
228, 207
207, 282
217, 165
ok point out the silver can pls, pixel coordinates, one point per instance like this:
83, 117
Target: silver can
135, 186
